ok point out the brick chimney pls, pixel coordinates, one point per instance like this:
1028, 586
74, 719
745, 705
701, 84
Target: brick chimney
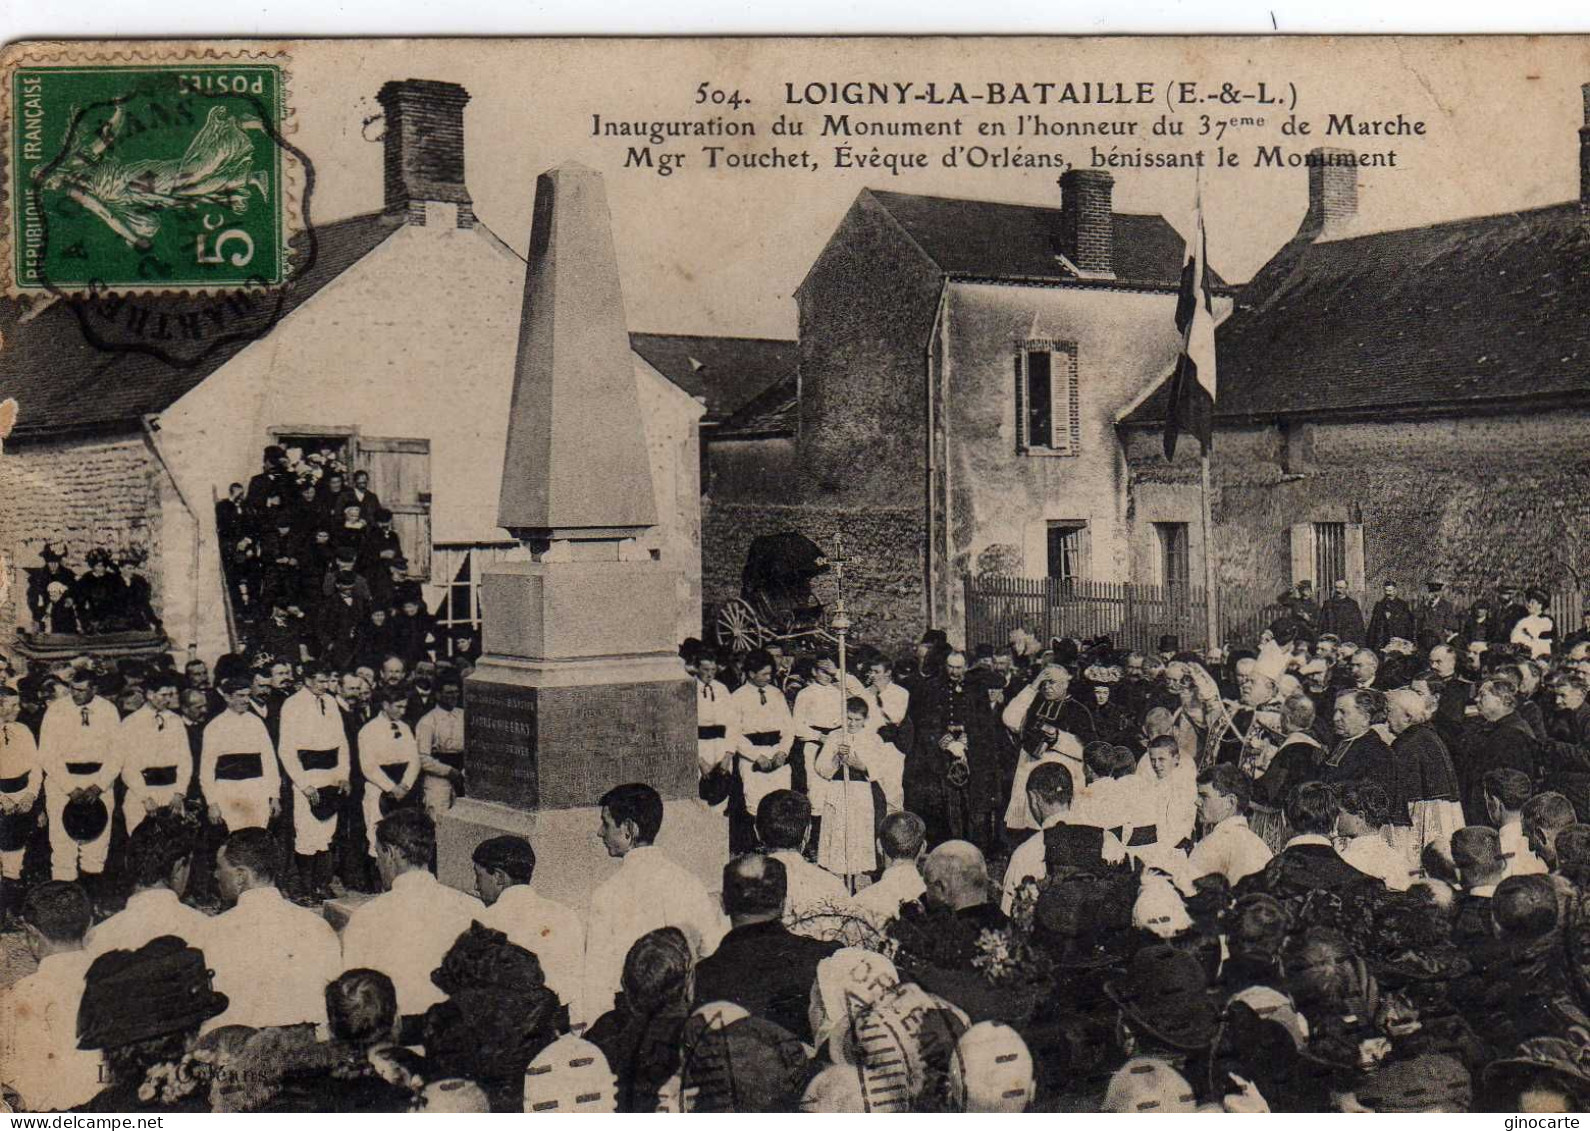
1087, 223
425, 149
1332, 194
1584, 156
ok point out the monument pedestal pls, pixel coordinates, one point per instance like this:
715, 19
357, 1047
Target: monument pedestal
546, 736
580, 688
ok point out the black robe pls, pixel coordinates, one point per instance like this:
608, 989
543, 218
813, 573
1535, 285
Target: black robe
1505, 743
97, 601
1423, 767
1342, 618
1365, 757
968, 812
1391, 617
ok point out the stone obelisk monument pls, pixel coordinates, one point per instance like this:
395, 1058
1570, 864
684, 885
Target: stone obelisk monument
580, 687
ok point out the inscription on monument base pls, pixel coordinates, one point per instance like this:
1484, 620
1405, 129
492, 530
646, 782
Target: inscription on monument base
563, 747
500, 740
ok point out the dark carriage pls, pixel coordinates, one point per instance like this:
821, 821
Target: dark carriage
776, 603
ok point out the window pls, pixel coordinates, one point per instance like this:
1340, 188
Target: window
1040, 398
1046, 397
459, 604
1330, 554
1173, 568
1067, 550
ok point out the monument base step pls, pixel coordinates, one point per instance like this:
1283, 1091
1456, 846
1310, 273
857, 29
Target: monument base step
570, 859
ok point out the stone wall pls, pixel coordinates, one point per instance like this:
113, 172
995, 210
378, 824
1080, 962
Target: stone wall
866, 312
77, 494
762, 470
1481, 499
885, 547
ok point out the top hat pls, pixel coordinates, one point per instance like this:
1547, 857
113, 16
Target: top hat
327, 804
85, 819
1168, 643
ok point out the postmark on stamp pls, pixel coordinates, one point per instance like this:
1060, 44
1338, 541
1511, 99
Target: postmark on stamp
167, 170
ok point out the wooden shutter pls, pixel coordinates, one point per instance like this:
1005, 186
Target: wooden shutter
1021, 400
1302, 552
1064, 417
400, 475
1355, 557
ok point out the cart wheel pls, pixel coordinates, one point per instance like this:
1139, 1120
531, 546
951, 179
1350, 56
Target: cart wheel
738, 629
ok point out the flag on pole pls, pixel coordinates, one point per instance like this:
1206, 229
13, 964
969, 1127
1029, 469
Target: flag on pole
1192, 388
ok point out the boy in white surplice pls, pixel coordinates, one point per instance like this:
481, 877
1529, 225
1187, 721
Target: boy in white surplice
859, 780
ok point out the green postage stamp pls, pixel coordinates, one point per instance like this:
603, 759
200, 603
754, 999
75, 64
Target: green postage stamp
146, 173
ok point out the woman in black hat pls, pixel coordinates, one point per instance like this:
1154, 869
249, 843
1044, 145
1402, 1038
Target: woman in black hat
143, 1008
498, 1014
134, 604
1547, 1074
1166, 1011
96, 593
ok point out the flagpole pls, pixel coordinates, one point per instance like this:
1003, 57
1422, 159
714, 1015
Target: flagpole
1191, 406
1211, 593
841, 626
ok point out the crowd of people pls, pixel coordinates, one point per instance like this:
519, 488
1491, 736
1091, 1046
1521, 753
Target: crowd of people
91, 748
110, 595
316, 570
1314, 874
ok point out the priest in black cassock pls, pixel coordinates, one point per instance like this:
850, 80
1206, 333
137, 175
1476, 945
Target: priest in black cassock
952, 776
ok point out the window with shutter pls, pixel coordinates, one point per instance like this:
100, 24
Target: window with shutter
1067, 546
1174, 567
1047, 404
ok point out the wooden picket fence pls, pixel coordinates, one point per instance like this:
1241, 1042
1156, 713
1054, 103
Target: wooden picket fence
1137, 616
1132, 616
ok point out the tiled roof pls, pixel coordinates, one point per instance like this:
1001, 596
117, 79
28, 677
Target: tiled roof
774, 412
727, 372
1492, 309
65, 385
987, 239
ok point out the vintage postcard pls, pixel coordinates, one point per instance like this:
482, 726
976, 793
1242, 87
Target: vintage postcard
795, 574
